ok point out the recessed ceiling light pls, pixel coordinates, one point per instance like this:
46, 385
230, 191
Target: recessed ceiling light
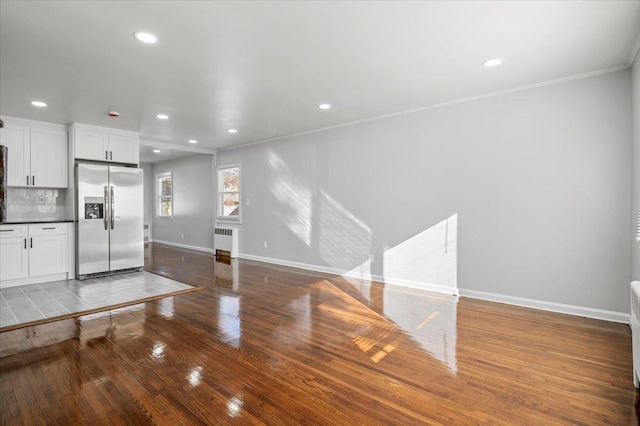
38, 104
492, 62
232, 131
193, 141
163, 116
156, 151
324, 106
145, 37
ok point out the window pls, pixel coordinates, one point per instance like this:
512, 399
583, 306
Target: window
164, 195
229, 192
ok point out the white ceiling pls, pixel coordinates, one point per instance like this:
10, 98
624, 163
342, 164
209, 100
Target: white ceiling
263, 67
149, 151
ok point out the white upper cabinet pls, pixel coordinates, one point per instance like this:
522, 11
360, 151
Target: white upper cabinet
103, 144
91, 145
49, 158
17, 139
37, 154
124, 149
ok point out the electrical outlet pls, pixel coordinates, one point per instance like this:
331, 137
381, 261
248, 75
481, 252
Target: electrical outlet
182, 236
264, 244
248, 201
371, 258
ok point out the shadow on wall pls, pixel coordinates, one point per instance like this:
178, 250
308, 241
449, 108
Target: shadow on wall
426, 260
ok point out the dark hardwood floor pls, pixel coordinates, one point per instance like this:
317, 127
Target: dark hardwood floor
264, 344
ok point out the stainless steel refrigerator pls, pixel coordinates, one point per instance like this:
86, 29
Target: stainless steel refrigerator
110, 220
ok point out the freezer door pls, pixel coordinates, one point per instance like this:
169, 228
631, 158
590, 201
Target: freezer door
126, 221
92, 248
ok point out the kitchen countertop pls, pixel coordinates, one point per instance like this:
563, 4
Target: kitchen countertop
27, 222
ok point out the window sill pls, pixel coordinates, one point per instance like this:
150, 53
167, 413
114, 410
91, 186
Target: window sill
229, 221
164, 217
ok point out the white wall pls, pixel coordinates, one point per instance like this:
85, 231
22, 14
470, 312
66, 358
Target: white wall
635, 204
530, 189
193, 195
149, 194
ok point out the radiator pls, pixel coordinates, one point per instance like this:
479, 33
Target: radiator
635, 330
225, 241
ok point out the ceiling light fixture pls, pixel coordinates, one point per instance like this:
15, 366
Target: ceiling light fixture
324, 106
193, 141
232, 131
163, 116
145, 37
38, 104
156, 151
492, 62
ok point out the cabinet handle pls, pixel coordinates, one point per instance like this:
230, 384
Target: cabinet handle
33, 181
31, 242
110, 155
25, 243
46, 229
7, 230
106, 155
27, 180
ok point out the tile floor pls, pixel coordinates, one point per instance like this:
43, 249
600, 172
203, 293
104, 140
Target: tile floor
40, 301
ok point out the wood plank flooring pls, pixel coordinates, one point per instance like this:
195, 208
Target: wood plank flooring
264, 344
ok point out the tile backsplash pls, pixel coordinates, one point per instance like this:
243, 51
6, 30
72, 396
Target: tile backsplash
33, 204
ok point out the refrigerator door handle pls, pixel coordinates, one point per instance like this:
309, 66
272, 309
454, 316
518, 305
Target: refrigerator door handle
113, 210
106, 204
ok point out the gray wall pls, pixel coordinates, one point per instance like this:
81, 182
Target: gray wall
193, 195
535, 182
149, 194
635, 204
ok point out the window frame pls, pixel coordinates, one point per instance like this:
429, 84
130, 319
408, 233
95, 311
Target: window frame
220, 192
159, 195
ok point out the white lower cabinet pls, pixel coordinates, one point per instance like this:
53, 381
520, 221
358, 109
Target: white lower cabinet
14, 259
34, 250
48, 255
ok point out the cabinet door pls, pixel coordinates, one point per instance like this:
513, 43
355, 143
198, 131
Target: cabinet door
14, 262
48, 254
124, 149
91, 145
49, 158
17, 139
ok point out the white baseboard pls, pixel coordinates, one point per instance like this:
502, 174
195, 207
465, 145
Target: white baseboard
354, 274
561, 308
185, 246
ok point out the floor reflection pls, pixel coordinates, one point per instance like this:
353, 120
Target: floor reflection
229, 322
389, 314
430, 319
87, 330
281, 345
226, 273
